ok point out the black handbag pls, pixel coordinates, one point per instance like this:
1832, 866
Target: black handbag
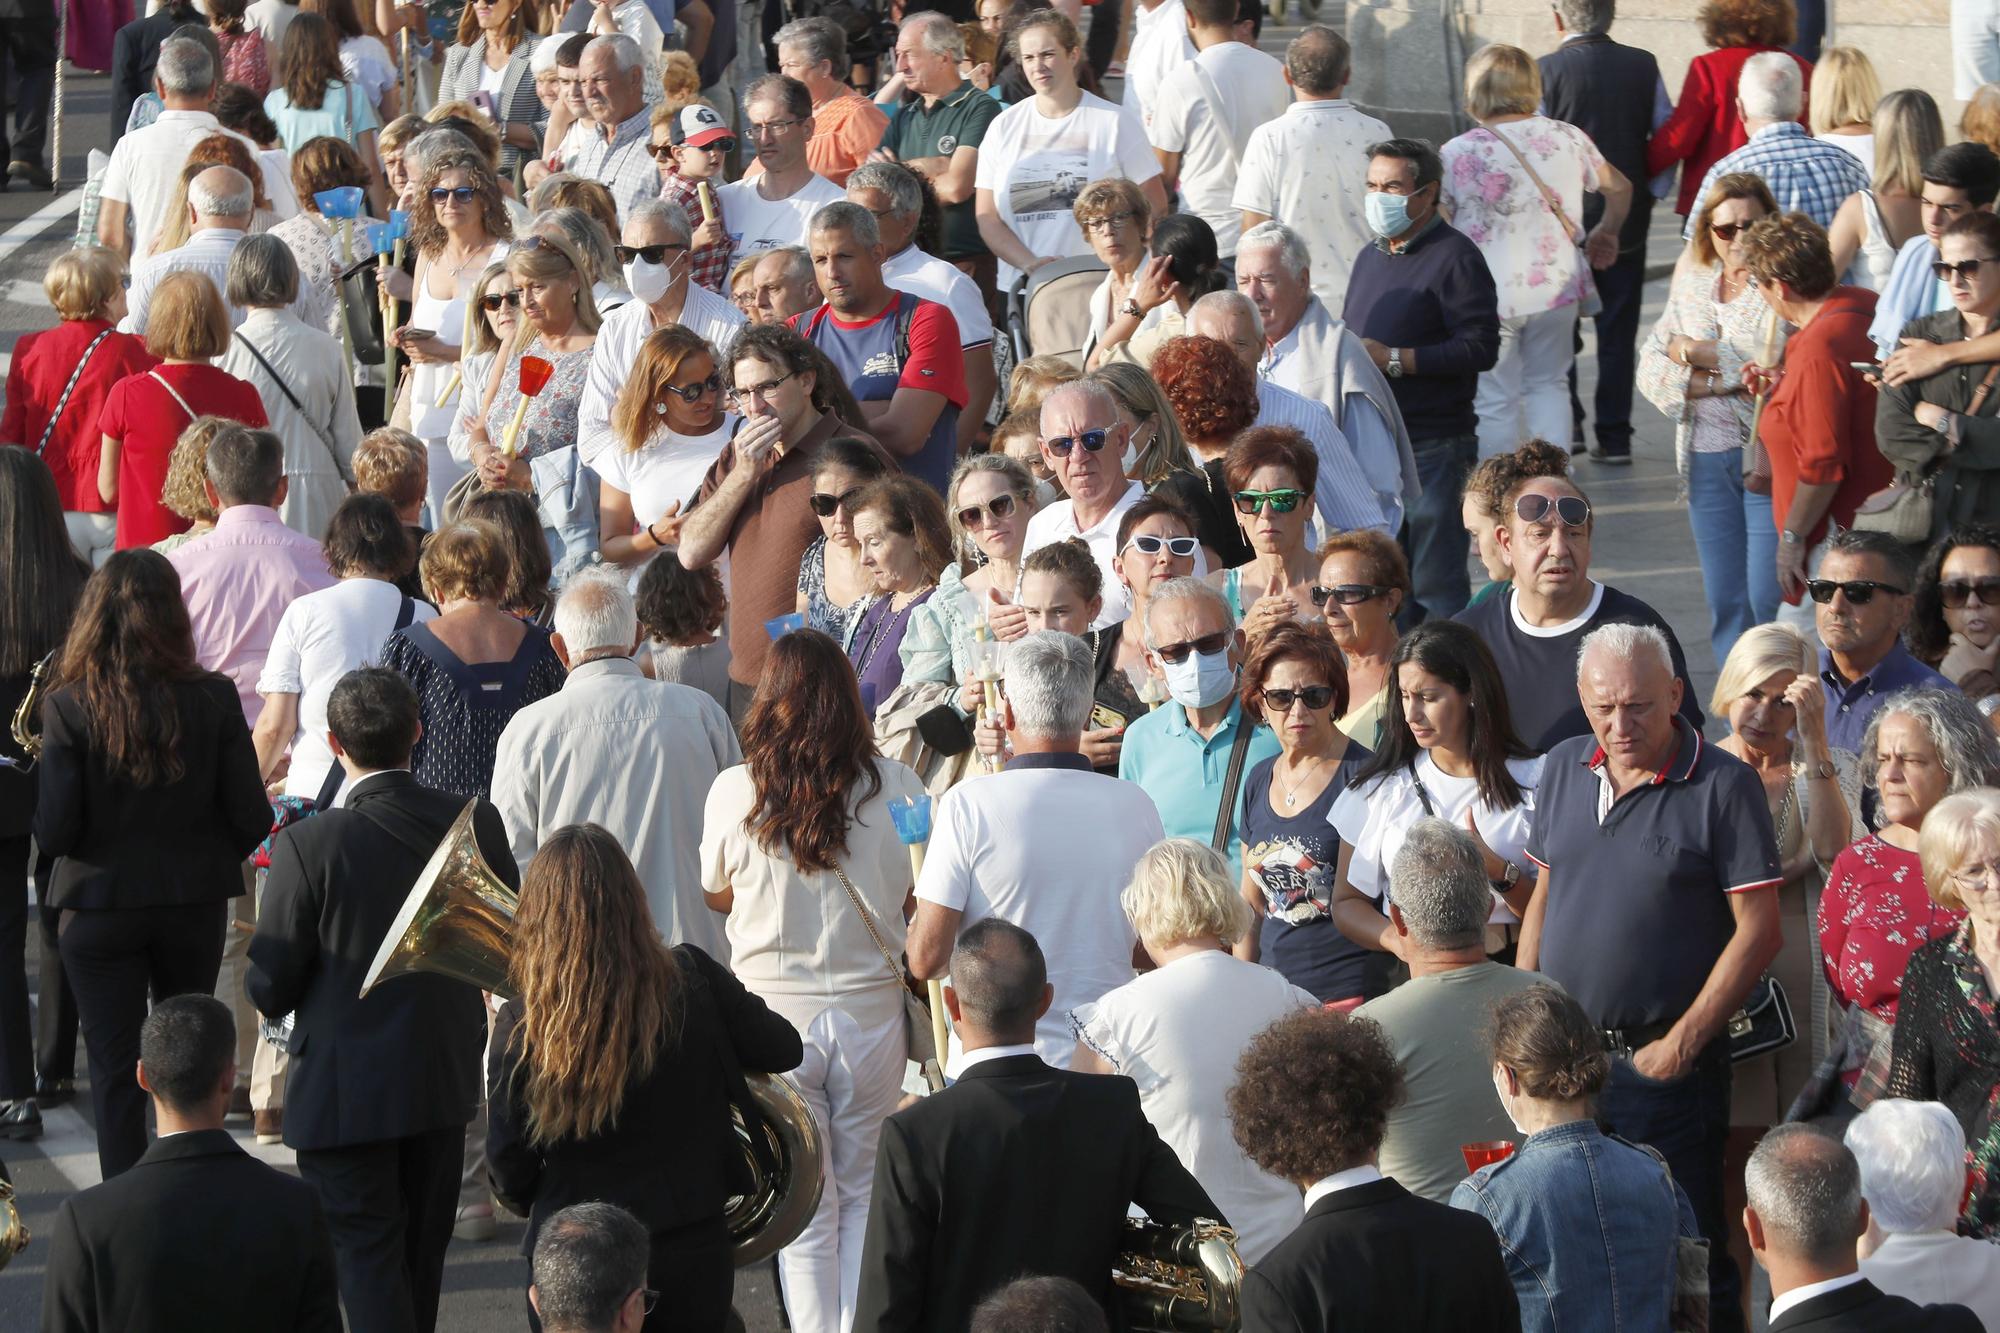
1763, 1024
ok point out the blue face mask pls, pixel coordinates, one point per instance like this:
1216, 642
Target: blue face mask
1388, 214
1200, 679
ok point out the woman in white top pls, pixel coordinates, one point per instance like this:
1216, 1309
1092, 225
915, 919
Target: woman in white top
1490, 193
1844, 95
671, 427
1447, 750
490, 54
496, 318
799, 850
308, 398
1177, 1031
1037, 157
326, 634
1117, 221
364, 60
1874, 224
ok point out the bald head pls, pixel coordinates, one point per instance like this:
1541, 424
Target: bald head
221, 197
1000, 981
1232, 318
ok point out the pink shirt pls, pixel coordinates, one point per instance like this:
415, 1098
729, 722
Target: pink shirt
237, 582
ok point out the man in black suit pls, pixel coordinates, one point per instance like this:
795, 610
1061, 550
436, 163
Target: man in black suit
1804, 1212
1613, 93
1017, 1168
1311, 1105
381, 1087
198, 1233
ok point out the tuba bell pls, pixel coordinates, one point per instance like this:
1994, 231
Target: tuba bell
458, 921
1179, 1277
27, 728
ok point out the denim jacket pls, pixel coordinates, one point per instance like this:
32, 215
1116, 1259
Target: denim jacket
1587, 1224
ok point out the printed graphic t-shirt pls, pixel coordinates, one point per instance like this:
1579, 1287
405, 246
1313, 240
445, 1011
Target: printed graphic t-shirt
865, 353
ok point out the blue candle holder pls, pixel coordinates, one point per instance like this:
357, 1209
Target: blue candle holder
912, 817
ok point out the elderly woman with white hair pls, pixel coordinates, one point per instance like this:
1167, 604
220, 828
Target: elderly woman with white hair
1912, 1157
1177, 1030
298, 373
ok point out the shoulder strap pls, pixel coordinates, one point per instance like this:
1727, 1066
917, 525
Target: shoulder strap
1985, 388
405, 613
290, 397
1548, 195
1423, 792
1232, 779
906, 315
161, 380
48, 431
854, 896
1213, 97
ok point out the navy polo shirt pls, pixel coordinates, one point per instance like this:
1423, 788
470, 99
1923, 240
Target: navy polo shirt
1638, 904
1849, 704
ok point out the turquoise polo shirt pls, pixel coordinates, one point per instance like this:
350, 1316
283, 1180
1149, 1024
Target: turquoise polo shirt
1183, 773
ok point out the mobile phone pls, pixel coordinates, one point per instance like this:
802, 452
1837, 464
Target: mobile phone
1102, 718
1866, 367
484, 101
417, 335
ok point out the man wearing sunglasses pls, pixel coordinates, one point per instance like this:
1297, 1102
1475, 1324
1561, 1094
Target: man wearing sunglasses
1082, 440
1536, 627
1861, 604
589, 1271
898, 352
656, 237
1806, 175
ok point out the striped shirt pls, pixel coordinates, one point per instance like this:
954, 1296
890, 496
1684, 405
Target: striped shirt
1342, 495
1806, 175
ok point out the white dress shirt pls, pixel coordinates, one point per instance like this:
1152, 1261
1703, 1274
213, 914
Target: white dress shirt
321, 429
616, 351
1323, 360
1342, 496
207, 252
1780, 1304
1365, 1174
967, 1059
145, 170
1160, 44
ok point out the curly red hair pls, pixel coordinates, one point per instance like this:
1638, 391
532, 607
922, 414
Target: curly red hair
1749, 22
1214, 395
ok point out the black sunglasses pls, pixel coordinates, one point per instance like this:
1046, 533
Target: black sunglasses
652, 254
1147, 544
975, 517
1966, 269
662, 151
1729, 231
1957, 593
691, 393
824, 504
1208, 645
492, 301
1573, 510
1859, 592
1316, 697
1346, 594
1092, 440
464, 194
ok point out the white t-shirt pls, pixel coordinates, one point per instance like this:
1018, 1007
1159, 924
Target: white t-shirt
145, 168
1049, 849
668, 470
321, 637
1374, 817
757, 224
1160, 43
1057, 522
926, 275
1036, 168
1252, 91
366, 62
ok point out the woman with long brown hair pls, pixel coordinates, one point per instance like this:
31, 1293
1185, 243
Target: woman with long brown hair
149, 802
612, 1072
493, 45
797, 848
314, 96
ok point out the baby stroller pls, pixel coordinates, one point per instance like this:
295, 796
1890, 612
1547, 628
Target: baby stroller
1048, 311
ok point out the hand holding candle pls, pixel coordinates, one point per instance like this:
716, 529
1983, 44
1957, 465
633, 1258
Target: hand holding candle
912, 817
985, 668
383, 241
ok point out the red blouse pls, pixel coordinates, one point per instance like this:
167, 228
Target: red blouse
43, 363
245, 60
1705, 128
147, 420
1872, 917
1819, 425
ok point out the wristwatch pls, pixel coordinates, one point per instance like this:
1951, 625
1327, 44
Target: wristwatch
1823, 769
1791, 538
1395, 363
1131, 307
1511, 875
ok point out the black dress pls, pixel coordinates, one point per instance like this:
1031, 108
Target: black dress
1207, 498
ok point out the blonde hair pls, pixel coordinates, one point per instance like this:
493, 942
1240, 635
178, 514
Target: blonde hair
393, 464
1760, 654
680, 81
1844, 89
80, 283
1501, 80
1181, 890
1035, 379
187, 321
473, 124
660, 358
1908, 129
187, 468
537, 264
483, 338
398, 132
465, 559
1953, 832
1981, 121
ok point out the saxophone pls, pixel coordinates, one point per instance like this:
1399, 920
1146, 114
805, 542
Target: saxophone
27, 729
1179, 1277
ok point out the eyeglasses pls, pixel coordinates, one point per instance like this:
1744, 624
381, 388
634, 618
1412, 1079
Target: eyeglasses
1859, 592
1729, 231
824, 504
1958, 592
492, 301
771, 129
1208, 645
749, 391
1281, 502
1147, 544
463, 194
1315, 697
975, 517
1976, 877
1092, 440
1573, 510
652, 1298
1964, 271
652, 254
690, 393
1109, 222
1345, 594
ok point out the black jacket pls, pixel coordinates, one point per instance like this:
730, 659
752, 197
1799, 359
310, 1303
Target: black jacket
1375, 1256
171, 845
1864, 1307
1607, 89
1018, 1168
135, 50
198, 1236
671, 1159
404, 1060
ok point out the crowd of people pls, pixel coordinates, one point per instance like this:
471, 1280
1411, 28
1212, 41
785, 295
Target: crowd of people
540, 425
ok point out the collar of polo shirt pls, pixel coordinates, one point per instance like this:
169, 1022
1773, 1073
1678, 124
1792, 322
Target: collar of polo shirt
1679, 766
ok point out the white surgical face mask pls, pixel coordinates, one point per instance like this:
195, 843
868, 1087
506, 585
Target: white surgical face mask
1200, 680
649, 282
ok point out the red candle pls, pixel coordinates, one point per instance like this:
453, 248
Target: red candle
535, 373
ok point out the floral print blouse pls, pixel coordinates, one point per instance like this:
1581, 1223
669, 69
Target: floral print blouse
551, 420
1535, 262
1872, 917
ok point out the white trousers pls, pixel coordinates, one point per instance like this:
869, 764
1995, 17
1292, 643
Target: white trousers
852, 1078
445, 470
91, 534
1526, 394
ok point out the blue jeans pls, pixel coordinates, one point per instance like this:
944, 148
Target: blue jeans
1736, 540
1434, 535
1686, 1122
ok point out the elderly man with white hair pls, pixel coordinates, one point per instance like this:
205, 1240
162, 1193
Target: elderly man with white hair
654, 248
618, 152
1345, 497
1437, 1022
1806, 175
1082, 441
636, 756
1912, 1157
1309, 350
1656, 907
1047, 844
220, 201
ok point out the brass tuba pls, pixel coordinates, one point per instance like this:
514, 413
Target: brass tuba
27, 728
458, 921
1176, 1277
